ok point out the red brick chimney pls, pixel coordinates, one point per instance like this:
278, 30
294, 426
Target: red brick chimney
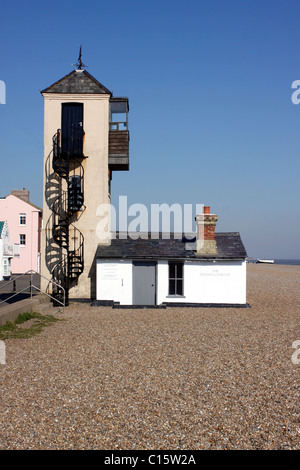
206, 224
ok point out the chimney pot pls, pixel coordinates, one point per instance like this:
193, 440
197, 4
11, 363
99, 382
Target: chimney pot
206, 209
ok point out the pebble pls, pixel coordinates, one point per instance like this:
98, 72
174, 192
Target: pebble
175, 378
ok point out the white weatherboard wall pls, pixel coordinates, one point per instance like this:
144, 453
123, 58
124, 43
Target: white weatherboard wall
114, 281
222, 282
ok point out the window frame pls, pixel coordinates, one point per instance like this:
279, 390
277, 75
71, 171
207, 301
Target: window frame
22, 215
118, 114
20, 240
176, 279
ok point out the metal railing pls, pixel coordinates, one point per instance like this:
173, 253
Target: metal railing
32, 286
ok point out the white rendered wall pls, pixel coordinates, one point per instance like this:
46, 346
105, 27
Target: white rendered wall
206, 282
95, 147
220, 282
114, 281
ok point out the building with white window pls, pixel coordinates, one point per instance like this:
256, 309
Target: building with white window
206, 270
86, 139
24, 221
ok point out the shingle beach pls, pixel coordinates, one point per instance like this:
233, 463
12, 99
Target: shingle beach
174, 378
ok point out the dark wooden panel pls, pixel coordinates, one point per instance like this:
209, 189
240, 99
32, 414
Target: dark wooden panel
118, 151
119, 142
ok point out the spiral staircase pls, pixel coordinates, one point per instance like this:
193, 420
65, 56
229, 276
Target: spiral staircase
65, 198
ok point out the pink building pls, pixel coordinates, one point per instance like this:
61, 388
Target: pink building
24, 221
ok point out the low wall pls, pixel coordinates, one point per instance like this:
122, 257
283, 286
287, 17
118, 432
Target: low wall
12, 311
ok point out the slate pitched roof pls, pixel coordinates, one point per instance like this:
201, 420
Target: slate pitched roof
229, 246
77, 81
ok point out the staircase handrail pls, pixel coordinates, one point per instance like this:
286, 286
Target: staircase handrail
31, 271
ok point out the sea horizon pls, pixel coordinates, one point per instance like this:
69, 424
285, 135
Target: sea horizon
287, 261
295, 262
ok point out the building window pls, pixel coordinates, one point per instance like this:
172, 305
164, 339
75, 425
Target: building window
22, 239
176, 278
119, 114
22, 219
5, 267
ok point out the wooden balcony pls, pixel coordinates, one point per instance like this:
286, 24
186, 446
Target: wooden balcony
118, 153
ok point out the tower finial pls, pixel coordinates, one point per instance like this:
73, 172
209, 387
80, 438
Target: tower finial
80, 64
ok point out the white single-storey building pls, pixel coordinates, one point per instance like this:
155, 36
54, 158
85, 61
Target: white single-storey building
209, 270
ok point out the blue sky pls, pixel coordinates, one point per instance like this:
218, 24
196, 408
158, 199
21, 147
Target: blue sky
209, 85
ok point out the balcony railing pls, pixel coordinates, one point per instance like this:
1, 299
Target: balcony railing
118, 126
